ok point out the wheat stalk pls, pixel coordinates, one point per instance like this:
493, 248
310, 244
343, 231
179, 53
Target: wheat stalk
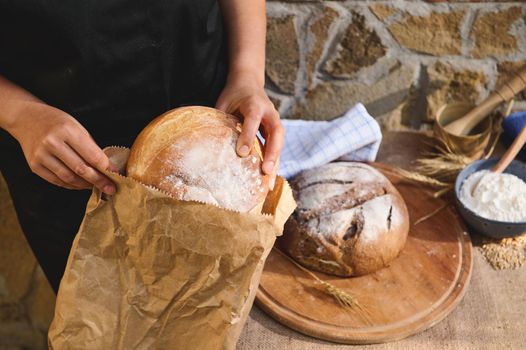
439, 169
343, 298
426, 180
498, 132
443, 191
428, 216
444, 164
446, 155
415, 176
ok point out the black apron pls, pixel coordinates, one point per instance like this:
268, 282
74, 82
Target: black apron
113, 65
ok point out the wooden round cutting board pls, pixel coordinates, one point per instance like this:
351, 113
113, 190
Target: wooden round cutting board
421, 287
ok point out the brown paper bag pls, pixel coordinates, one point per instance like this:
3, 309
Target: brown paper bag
147, 271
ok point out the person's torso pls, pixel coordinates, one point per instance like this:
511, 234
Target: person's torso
114, 60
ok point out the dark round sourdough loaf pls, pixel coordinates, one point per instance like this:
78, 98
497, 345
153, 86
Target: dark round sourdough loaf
350, 220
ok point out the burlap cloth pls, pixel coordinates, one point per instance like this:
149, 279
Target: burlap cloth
492, 314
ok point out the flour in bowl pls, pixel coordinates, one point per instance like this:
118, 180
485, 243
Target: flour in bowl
500, 197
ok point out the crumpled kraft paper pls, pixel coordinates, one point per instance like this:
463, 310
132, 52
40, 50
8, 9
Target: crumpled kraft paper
147, 271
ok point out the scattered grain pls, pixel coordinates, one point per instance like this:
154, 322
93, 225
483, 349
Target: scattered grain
506, 253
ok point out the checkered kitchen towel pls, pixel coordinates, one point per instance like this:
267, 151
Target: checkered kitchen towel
353, 136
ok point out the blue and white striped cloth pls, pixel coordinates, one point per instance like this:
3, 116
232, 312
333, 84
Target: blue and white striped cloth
354, 136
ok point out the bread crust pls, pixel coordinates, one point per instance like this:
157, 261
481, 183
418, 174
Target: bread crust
350, 220
189, 153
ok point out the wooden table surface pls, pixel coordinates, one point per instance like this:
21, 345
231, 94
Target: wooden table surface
492, 314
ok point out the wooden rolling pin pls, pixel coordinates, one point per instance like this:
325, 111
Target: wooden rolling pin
505, 92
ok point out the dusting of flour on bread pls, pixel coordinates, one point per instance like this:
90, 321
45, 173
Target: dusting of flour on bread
375, 217
350, 219
216, 172
378, 214
174, 184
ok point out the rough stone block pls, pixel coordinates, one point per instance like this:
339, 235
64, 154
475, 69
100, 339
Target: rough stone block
360, 47
41, 305
448, 84
15, 330
331, 99
491, 32
282, 56
437, 34
319, 28
275, 101
382, 11
17, 261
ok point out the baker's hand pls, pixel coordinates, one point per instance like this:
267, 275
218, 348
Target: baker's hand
60, 150
252, 103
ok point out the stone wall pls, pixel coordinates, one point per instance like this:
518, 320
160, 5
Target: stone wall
26, 299
402, 59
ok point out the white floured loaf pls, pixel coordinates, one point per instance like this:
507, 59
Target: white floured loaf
190, 153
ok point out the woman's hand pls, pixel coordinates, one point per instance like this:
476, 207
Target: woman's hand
243, 97
59, 149
244, 94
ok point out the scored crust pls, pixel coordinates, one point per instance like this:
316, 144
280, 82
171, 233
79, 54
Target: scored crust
350, 220
190, 153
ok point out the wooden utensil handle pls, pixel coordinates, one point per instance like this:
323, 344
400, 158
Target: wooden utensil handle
504, 92
510, 154
510, 88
